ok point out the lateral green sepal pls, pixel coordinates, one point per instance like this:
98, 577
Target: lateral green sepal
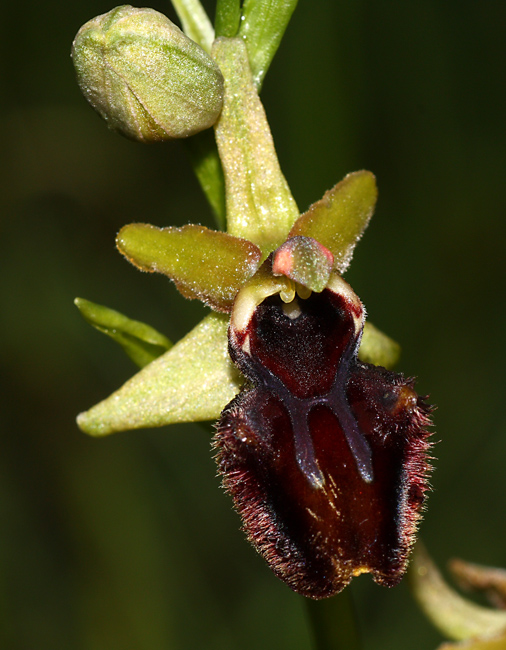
455, 616
378, 348
192, 382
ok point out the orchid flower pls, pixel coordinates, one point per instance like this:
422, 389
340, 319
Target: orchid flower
322, 447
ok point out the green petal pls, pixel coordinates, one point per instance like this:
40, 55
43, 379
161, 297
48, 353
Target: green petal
260, 206
455, 617
339, 219
378, 348
141, 342
192, 382
205, 264
263, 25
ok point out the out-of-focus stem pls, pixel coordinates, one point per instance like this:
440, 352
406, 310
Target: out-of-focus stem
207, 167
195, 22
333, 623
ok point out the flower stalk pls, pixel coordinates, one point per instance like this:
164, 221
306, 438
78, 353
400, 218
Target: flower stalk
334, 623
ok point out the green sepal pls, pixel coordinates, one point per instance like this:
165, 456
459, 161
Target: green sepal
378, 348
141, 342
192, 382
305, 261
456, 617
204, 264
260, 206
339, 219
262, 27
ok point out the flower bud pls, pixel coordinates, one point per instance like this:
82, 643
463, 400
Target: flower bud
146, 78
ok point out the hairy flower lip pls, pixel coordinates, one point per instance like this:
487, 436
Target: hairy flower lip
288, 457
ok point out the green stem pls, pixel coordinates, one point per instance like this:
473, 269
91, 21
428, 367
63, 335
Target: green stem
334, 623
195, 22
228, 15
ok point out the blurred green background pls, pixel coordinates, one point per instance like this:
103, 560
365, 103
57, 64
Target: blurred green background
128, 543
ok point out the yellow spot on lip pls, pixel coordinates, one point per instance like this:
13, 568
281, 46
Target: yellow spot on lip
360, 570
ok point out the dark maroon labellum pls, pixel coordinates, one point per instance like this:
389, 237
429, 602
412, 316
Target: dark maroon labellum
325, 457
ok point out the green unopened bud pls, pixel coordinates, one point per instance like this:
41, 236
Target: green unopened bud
145, 77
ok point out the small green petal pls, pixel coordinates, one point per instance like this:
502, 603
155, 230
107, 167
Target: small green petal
339, 219
378, 348
263, 25
141, 342
304, 260
455, 617
205, 264
192, 382
260, 206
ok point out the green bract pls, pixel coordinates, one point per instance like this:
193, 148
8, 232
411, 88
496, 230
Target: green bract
141, 342
146, 78
262, 27
260, 205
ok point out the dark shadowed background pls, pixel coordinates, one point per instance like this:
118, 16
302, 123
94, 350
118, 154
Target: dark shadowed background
128, 543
